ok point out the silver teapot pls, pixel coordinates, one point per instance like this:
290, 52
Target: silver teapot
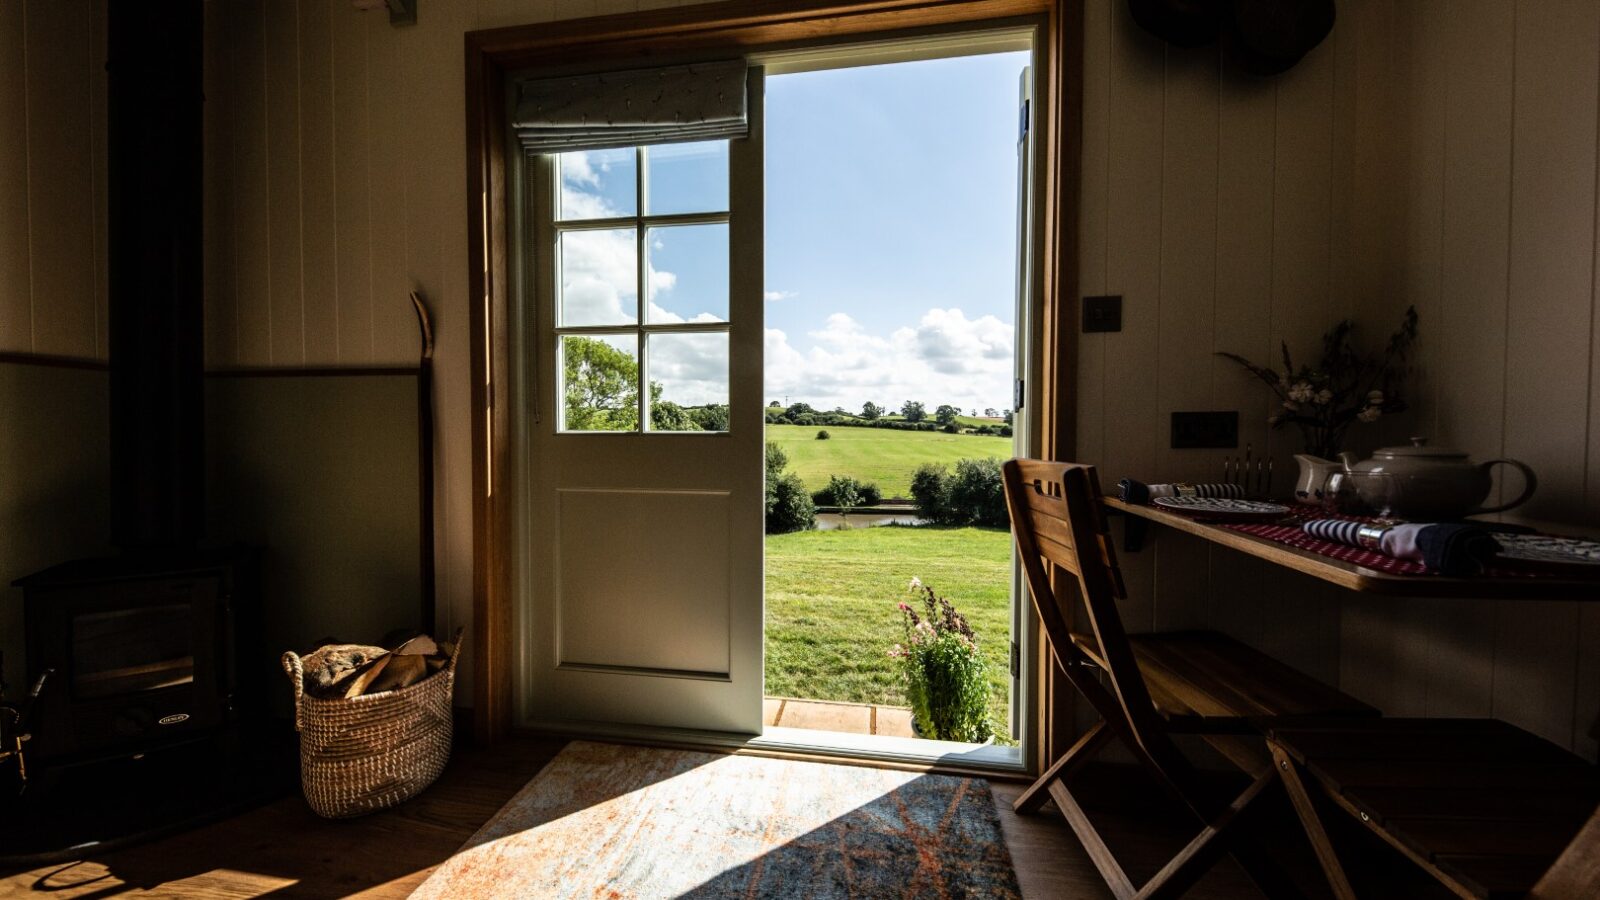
1419, 482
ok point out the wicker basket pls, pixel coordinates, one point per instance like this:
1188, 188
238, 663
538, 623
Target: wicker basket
371, 752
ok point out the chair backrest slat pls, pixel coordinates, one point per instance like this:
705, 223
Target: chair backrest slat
1058, 519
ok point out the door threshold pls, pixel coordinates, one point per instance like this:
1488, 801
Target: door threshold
888, 748
919, 753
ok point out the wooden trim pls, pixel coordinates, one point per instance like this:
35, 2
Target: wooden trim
735, 27
1062, 147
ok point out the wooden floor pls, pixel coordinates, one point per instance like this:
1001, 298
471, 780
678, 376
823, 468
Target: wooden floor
282, 850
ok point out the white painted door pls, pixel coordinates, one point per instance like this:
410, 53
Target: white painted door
644, 515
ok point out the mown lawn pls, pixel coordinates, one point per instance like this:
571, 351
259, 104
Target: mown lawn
831, 615
883, 456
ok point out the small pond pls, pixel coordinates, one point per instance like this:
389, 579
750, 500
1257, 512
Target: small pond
831, 521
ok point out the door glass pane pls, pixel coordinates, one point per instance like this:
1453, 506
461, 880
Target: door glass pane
600, 382
686, 178
688, 381
597, 184
688, 273
599, 277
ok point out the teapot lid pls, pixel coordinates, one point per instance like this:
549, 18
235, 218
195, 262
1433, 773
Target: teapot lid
1419, 449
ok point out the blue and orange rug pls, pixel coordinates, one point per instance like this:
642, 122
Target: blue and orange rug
611, 821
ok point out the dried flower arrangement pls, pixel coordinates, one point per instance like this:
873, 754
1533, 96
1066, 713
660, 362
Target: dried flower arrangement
1343, 388
945, 675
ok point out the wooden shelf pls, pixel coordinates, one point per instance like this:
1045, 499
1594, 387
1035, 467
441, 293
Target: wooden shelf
1360, 578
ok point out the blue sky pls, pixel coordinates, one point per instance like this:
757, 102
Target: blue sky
891, 200
890, 238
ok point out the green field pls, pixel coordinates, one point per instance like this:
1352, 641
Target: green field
883, 456
831, 615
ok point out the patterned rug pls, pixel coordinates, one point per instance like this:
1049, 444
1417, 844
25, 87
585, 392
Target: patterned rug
610, 821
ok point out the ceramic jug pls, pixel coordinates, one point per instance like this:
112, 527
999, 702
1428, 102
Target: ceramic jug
1313, 479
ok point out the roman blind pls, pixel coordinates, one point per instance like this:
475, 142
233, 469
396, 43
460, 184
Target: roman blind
672, 104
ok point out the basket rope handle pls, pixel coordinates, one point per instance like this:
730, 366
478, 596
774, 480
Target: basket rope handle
297, 675
456, 644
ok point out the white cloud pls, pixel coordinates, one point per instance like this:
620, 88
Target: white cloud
945, 358
692, 369
774, 296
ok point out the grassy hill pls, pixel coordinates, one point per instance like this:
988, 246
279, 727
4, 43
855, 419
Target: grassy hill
882, 455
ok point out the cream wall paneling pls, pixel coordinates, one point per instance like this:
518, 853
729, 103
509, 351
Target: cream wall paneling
52, 184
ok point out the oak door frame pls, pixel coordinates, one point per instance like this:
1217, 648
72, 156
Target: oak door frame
734, 27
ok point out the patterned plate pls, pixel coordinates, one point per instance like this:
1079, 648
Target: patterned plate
1222, 508
1547, 550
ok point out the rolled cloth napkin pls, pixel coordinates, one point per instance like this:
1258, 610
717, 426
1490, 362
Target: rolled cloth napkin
1139, 492
1449, 548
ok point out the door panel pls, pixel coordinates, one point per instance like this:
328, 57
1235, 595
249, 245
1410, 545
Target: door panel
644, 564
660, 603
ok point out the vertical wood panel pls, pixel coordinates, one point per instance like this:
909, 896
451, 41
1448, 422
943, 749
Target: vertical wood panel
1133, 268
352, 185
282, 84
1470, 334
60, 186
1552, 249
1418, 231
318, 286
251, 180
1301, 307
1242, 317
97, 173
394, 330
222, 333
16, 284
1188, 257
1092, 225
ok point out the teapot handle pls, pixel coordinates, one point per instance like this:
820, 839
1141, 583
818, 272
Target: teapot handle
1529, 483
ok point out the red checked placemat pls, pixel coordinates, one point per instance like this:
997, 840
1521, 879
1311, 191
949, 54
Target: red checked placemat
1293, 536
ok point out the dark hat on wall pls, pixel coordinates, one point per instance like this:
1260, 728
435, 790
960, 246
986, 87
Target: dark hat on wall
1183, 23
1267, 37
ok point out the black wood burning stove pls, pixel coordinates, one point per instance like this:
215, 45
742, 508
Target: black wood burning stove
141, 652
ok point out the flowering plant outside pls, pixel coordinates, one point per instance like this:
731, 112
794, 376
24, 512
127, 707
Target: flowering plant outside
944, 673
1344, 387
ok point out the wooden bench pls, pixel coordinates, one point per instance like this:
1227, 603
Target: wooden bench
1486, 808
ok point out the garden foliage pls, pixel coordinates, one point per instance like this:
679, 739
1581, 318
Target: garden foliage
946, 682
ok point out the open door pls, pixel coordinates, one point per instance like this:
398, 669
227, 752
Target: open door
644, 502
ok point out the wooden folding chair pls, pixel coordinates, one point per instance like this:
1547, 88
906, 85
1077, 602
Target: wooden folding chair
1157, 685
1485, 808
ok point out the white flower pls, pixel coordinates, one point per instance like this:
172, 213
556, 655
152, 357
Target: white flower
1324, 397
1301, 392
915, 583
1370, 414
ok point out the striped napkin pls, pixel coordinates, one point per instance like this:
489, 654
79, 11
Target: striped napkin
1141, 493
1449, 548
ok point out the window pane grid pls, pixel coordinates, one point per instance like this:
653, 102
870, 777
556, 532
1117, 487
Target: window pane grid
693, 384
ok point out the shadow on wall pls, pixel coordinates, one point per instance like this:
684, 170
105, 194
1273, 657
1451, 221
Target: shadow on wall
321, 472
54, 480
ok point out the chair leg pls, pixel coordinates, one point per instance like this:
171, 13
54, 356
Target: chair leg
1300, 799
1182, 871
1099, 854
1037, 793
